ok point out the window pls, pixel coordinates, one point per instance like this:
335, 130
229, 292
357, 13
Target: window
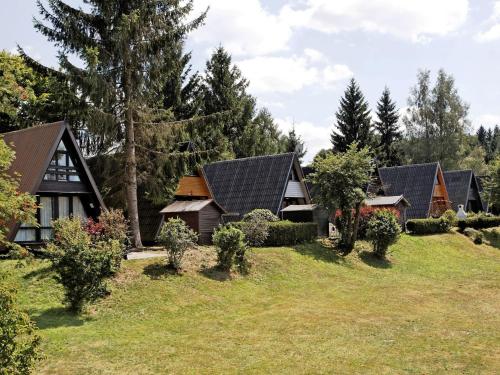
50, 208
62, 167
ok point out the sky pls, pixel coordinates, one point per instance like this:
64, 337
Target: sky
299, 54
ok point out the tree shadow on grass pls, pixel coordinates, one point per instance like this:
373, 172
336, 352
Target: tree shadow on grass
372, 260
40, 273
214, 273
157, 271
322, 252
57, 317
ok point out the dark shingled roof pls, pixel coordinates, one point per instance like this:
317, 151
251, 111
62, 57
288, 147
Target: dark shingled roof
242, 185
415, 182
458, 184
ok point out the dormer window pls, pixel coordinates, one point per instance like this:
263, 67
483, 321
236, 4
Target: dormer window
62, 167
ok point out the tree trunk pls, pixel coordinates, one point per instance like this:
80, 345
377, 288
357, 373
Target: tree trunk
131, 164
356, 225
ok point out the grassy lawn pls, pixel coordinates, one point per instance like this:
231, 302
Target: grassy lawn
434, 308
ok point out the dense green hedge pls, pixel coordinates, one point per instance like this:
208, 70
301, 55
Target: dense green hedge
286, 233
428, 226
479, 222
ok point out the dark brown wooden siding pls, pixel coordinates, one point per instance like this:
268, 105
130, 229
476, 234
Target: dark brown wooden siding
210, 218
191, 219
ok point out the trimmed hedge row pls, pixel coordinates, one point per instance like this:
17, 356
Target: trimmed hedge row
428, 226
479, 222
287, 233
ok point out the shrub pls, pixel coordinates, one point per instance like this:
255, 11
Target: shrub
260, 214
286, 233
450, 216
428, 226
82, 265
383, 230
176, 237
19, 343
229, 242
365, 214
479, 222
256, 231
111, 225
474, 235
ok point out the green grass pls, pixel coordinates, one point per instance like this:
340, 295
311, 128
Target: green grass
434, 308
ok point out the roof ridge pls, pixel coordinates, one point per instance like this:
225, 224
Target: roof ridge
459, 170
251, 157
410, 165
35, 127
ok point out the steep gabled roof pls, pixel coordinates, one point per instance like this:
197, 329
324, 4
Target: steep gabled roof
459, 184
242, 185
415, 182
35, 147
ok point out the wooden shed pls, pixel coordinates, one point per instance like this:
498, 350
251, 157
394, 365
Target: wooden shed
202, 216
307, 213
397, 202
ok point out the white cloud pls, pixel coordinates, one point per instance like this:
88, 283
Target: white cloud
415, 20
315, 137
291, 74
493, 31
488, 120
314, 55
242, 27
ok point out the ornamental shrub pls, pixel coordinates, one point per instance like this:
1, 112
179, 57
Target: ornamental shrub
82, 264
260, 214
479, 222
428, 226
365, 214
286, 233
383, 230
256, 232
450, 216
229, 242
474, 235
176, 237
19, 343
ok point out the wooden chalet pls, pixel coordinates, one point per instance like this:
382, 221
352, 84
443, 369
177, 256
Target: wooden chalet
51, 167
397, 202
195, 205
422, 185
463, 189
272, 182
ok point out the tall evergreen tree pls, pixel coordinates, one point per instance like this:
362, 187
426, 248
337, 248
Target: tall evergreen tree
126, 47
481, 136
262, 136
294, 143
388, 129
353, 120
225, 89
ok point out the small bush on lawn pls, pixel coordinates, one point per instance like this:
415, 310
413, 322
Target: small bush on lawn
450, 216
176, 237
428, 226
230, 245
474, 235
260, 214
82, 263
256, 232
365, 214
479, 222
111, 225
19, 343
383, 230
286, 233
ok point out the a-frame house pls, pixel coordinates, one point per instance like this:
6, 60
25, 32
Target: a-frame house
463, 189
422, 185
50, 166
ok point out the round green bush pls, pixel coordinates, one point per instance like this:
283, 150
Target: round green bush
176, 237
230, 244
383, 230
260, 214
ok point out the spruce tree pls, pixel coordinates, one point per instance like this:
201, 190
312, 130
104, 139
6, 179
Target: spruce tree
388, 129
126, 47
262, 136
294, 143
481, 136
353, 120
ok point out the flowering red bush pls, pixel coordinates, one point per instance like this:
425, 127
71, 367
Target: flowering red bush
365, 214
94, 228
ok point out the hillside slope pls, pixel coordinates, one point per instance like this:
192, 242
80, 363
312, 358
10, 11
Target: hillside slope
433, 308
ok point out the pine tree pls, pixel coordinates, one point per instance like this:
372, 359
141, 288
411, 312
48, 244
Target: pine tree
294, 143
388, 129
481, 136
225, 89
126, 47
353, 120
